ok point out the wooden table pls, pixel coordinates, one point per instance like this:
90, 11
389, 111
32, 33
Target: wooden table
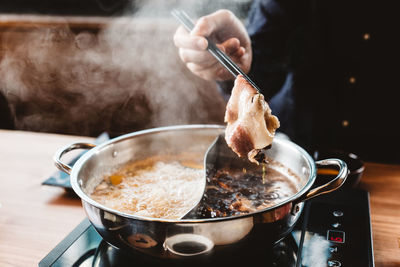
35, 218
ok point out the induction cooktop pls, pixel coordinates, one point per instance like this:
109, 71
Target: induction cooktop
334, 230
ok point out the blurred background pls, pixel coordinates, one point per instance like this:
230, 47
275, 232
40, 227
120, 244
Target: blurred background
88, 66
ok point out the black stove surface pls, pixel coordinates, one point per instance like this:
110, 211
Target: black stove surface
334, 230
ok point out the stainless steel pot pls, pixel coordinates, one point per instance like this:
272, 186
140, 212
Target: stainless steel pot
179, 238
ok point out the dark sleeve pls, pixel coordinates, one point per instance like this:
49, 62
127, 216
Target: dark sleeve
270, 25
6, 121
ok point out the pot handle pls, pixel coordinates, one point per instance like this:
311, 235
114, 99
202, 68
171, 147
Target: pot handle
62, 151
330, 186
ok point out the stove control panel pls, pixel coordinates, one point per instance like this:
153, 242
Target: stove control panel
343, 227
335, 236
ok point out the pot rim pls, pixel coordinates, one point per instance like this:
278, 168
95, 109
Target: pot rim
84, 197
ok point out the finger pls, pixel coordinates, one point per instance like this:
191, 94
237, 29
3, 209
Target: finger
213, 72
200, 68
207, 73
233, 49
206, 66
183, 39
231, 46
197, 57
216, 73
209, 24
239, 53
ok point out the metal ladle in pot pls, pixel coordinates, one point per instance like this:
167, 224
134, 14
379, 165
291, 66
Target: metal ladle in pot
217, 157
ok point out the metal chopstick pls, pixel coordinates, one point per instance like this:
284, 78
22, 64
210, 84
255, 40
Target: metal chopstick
231, 66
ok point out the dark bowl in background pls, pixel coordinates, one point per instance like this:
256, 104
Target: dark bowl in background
354, 163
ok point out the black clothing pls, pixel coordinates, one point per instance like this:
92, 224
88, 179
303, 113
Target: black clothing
325, 69
6, 121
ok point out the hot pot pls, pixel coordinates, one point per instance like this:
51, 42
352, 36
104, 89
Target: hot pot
166, 238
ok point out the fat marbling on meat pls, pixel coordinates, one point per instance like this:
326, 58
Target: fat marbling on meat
250, 124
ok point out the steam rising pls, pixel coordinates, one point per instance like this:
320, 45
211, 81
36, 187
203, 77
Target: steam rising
124, 77
316, 253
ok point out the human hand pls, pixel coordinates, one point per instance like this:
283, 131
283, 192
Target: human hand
230, 35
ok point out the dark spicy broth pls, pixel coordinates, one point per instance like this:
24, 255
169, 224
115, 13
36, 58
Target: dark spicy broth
231, 192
